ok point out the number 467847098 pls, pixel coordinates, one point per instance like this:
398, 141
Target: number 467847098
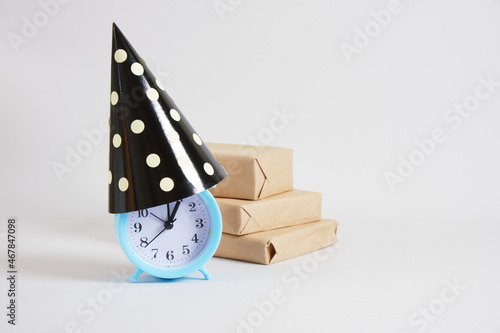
11, 243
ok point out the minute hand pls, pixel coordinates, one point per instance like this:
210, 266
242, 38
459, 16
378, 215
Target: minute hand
168, 223
171, 218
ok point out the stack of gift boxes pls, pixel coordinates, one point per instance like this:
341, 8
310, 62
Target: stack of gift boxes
264, 219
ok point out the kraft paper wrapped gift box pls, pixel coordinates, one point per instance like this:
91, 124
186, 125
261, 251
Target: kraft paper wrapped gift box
268, 247
254, 172
294, 207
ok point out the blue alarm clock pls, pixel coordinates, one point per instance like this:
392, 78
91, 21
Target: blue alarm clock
160, 170
171, 240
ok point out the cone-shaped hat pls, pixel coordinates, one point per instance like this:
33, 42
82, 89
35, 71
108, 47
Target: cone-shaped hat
155, 156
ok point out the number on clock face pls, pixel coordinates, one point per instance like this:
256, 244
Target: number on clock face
170, 235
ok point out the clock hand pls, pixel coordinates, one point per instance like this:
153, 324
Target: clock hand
171, 218
158, 217
168, 222
151, 241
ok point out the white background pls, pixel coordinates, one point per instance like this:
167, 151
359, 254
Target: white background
229, 73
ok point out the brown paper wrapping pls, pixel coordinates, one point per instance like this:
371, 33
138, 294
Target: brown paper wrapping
254, 172
272, 246
242, 217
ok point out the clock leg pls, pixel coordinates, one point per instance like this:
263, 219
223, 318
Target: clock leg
136, 275
203, 271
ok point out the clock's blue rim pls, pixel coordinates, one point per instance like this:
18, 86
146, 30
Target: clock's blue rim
173, 273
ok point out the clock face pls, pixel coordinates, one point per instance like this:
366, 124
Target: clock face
170, 235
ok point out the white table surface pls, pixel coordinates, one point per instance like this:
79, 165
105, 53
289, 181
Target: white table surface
375, 278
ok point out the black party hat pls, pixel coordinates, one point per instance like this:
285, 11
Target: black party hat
155, 156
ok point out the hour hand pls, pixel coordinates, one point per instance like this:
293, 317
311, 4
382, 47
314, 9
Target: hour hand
171, 217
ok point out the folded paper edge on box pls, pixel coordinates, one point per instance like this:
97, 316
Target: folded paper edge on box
249, 221
265, 181
263, 158
255, 224
272, 251
329, 240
